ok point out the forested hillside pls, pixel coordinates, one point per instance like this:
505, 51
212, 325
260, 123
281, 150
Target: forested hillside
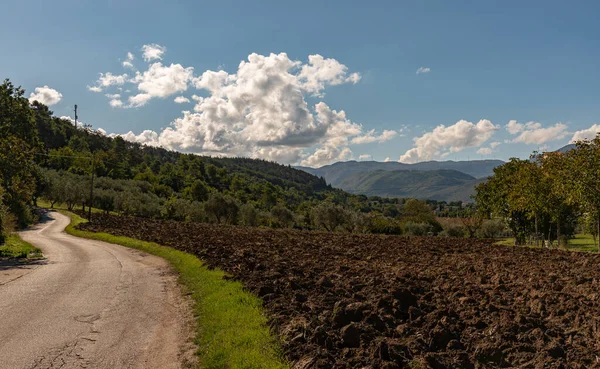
45, 156
408, 180
449, 185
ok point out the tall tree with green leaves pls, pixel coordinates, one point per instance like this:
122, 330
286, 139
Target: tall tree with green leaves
585, 174
496, 198
18, 141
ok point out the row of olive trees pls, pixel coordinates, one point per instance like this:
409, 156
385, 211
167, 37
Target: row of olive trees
130, 197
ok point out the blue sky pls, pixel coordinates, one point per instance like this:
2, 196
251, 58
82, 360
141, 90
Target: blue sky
490, 63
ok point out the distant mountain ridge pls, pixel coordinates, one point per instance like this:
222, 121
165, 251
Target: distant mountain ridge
438, 180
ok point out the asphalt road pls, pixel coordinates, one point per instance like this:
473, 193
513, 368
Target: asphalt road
90, 304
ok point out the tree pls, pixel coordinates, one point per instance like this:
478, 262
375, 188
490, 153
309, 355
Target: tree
224, 209
248, 215
328, 216
198, 191
419, 212
282, 217
3, 214
561, 202
529, 191
585, 174
495, 198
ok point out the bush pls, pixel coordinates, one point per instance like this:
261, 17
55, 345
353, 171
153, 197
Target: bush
491, 229
224, 209
379, 224
281, 217
328, 216
248, 215
417, 229
453, 231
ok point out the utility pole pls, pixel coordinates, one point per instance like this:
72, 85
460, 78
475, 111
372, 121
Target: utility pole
91, 190
76, 116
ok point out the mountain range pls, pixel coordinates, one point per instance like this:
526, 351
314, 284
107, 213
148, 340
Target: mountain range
436, 180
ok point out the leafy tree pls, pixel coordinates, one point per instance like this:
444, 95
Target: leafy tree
328, 216
224, 209
282, 217
496, 199
3, 215
249, 215
198, 191
585, 174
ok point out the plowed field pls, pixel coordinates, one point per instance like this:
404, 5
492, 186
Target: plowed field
366, 301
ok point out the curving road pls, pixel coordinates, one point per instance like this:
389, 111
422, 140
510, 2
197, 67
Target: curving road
90, 304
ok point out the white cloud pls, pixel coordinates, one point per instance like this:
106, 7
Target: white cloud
115, 103
444, 140
139, 100
71, 120
365, 157
586, 134
535, 133
484, 151
370, 137
388, 159
147, 137
181, 100
423, 70
115, 100
107, 80
259, 111
320, 71
488, 150
153, 52
161, 81
128, 62
46, 95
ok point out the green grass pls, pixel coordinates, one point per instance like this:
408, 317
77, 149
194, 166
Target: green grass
232, 330
15, 247
580, 243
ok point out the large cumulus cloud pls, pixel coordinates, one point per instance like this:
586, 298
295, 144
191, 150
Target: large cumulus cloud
259, 111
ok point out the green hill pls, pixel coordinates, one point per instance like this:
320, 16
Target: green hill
442, 185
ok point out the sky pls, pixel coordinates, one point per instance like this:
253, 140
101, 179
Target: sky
315, 82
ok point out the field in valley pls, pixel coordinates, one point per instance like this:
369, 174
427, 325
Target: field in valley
353, 301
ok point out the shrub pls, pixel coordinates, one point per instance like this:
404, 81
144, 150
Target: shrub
249, 215
282, 217
224, 209
417, 229
453, 231
492, 229
379, 224
328, 216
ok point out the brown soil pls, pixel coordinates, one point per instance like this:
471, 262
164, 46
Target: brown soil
366, 301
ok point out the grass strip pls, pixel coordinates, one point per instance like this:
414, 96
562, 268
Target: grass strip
232, 330
579, 243
15, 247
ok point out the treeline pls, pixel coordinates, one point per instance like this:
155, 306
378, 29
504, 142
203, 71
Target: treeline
205, 204
548, 197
